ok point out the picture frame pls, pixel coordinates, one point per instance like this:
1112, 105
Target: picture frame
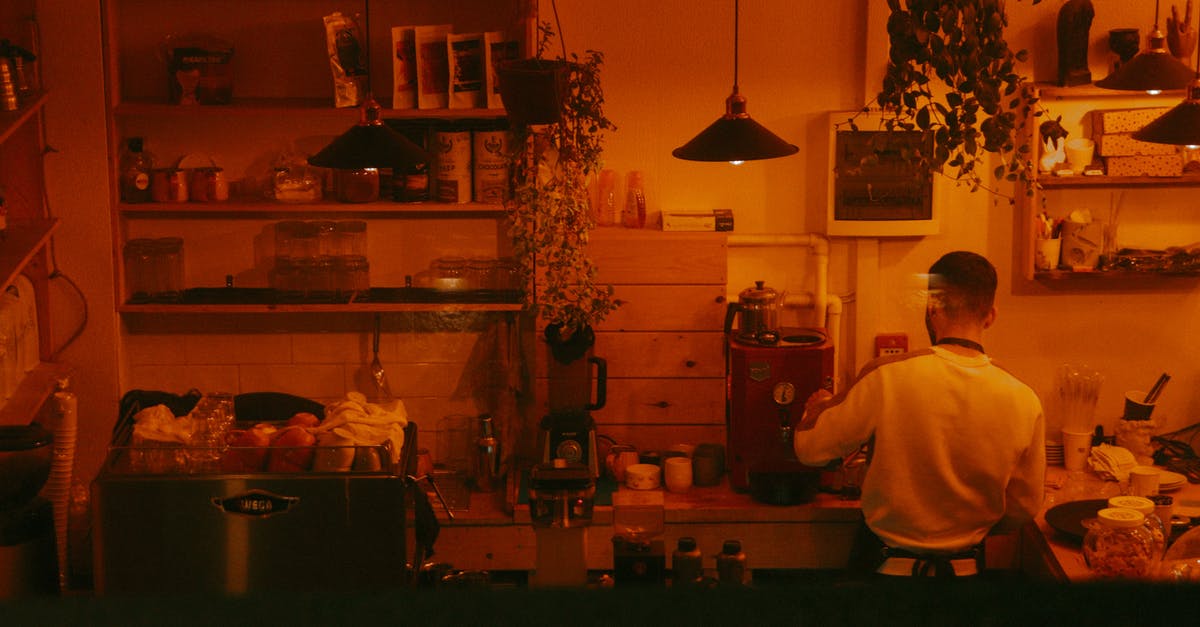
874, 191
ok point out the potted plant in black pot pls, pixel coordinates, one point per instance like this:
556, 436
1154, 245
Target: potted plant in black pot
532, 90
550, 216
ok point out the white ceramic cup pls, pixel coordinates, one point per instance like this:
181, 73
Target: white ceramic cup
1143, 481
1077, 445
1080, 151
677, 473
1047, 253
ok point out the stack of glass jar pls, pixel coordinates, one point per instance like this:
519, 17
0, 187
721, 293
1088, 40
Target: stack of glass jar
455, 272
19, 346
321, 258
154, 269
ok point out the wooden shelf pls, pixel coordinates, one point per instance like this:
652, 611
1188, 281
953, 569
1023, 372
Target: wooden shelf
257, 208
1050, 91
305, 107
35, 388
1077, 182
10, 121
1118, 279
165, 308
22, 240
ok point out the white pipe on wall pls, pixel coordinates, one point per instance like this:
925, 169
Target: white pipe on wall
823, 303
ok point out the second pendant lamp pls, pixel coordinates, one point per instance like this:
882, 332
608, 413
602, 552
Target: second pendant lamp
735, 137
1152, 70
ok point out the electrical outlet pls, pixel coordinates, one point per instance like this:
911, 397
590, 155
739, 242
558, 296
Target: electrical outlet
891, 344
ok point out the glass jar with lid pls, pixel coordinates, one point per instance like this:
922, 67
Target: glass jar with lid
352, 237
139, 265
296, 183
1156, 527
450, 273
357, 185
1118, 545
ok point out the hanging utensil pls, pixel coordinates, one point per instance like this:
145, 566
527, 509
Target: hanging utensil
377, 373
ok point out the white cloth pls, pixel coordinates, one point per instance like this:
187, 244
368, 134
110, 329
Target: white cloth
1111, 463
959, 446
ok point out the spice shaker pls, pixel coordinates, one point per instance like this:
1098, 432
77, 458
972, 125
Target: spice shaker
487, 456
731, 564
686, 562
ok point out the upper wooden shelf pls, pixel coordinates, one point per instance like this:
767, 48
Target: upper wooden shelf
10, 121
21, 241
256, 208
250, 308
1075, 181
308, 107
1050, 91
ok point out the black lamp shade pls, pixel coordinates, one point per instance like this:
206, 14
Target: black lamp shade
369, 144
1180, 125
735, 137
1153, 69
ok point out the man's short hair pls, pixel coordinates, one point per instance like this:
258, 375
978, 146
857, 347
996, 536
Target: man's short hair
963, 283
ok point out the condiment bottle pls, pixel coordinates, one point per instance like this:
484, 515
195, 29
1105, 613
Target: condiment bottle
687, 562
634, 215
731, 564
487, 456
605, 211
1118, 545
135, 172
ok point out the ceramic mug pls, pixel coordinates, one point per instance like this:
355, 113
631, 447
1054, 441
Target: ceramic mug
677, 473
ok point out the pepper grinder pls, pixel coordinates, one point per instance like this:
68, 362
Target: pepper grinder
487, 456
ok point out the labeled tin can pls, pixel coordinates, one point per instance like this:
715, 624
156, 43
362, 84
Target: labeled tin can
489, 152
209, 185
453, 166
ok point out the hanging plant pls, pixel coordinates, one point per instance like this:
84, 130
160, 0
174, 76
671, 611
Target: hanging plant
951, 74
549, 213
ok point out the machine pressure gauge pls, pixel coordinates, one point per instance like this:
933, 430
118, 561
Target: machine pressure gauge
784, 393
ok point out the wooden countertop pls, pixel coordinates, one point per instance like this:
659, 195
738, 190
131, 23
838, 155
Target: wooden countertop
1065, 551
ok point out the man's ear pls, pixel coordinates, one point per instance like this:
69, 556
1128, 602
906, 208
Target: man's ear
989, 318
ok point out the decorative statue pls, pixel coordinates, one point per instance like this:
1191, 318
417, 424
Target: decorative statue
1181, 37
1074, 22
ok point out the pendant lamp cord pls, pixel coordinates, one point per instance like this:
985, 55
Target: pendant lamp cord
735, 45
367, 39
558, 24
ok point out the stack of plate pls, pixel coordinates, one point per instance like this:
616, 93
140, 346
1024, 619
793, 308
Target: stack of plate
1054, 453
1168, 481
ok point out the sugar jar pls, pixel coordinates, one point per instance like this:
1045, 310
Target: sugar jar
1154, 524
1118, 545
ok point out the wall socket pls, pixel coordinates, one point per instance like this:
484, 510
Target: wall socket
891, 344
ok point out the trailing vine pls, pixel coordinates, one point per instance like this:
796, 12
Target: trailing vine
951, 74
549, 213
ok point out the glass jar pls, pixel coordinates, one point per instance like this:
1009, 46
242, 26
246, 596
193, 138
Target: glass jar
305, 244
209, 185
296, 183
357, 185
327, 240
139, 269
1118, 545
352, 237
168, 268
1154, 524
481, 273
351, 276
450, 273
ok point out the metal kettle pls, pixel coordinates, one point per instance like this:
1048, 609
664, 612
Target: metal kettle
757, 312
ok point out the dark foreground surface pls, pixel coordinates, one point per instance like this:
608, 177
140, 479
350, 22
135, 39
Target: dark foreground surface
902, 603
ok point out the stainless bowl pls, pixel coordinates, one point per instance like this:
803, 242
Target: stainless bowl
25, 453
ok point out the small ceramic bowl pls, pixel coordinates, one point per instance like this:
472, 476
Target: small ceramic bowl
643, 476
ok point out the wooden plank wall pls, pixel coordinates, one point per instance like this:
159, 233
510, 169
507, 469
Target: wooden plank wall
664, 345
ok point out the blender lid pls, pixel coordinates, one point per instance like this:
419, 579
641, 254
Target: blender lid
24, 437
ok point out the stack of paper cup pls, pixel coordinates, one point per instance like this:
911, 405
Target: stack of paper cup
58, 485
1076, 447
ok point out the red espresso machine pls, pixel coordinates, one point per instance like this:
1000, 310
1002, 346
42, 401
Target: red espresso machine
769, 374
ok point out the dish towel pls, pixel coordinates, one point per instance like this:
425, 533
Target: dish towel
1111, 463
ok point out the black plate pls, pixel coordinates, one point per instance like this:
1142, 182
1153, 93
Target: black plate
1068, 517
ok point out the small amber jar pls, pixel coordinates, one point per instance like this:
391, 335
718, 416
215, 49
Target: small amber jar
357, 185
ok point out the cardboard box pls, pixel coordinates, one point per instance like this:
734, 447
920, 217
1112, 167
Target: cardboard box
715, 220
1145, 165
1115, 121
1124, 145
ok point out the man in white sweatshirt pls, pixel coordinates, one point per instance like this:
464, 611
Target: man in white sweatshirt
956, 443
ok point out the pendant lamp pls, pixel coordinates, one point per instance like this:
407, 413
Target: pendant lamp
1180, 125
734, 137
1153, 70
370, 143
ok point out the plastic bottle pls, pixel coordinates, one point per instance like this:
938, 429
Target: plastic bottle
487, 456
1118, 545
605, 211
687, 563
634, 215
731, 564
135, 172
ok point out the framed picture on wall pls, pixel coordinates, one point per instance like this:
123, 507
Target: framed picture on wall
874, 190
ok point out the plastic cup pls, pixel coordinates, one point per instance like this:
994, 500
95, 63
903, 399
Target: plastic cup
1080, 151
1135, 408
1047, 254
1077, 445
